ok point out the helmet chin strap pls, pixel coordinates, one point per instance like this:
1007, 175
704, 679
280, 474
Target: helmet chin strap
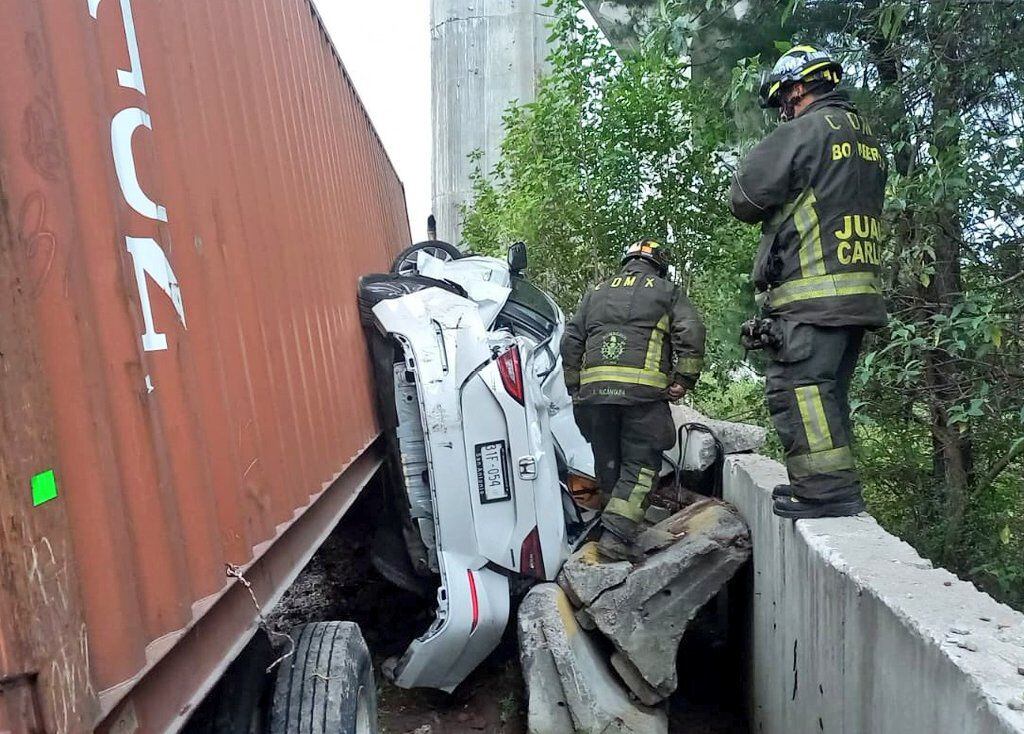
787, 107
787, 110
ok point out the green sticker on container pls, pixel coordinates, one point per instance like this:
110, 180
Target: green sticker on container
44, 488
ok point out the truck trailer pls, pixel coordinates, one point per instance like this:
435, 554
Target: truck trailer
189, 192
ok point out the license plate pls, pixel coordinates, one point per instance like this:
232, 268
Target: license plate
492, 472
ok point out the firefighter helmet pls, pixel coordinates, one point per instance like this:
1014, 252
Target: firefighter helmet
799, 64
650, 250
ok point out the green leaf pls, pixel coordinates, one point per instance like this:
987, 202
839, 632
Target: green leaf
791, 7
891, 19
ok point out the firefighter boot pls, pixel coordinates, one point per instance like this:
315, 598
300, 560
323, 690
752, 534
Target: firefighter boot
797, 508
782, 491
618, 540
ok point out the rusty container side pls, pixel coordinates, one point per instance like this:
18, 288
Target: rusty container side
189, 194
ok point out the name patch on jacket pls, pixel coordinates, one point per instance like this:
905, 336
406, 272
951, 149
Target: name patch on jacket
858, 240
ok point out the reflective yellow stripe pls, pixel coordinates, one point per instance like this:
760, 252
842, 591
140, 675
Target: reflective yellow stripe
621, 507
633, 508
654, 345
812, 412
820, 462
812, 69
689, 365
805, 219
641, 488
629, 375
825, 286
783, 214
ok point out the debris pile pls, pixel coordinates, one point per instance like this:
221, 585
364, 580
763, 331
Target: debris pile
599, 648
700, 448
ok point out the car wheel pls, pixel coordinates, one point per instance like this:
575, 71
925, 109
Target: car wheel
327, 684
405, 263
236, 705
389, 554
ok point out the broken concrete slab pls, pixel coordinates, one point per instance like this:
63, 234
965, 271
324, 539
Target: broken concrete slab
655, 514
566, 673
700, 449
646, 614
634, 681
736, 438
584, 619
586, 574
547, 710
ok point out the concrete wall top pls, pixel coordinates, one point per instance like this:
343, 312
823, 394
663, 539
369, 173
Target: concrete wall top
852, 631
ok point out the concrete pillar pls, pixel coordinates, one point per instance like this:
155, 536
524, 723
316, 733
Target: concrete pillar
484, 54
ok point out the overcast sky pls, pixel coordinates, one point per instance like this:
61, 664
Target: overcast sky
385, 46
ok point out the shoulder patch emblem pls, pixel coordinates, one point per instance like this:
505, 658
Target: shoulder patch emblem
613, 346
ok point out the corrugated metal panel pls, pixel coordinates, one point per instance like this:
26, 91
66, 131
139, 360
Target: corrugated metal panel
189, 191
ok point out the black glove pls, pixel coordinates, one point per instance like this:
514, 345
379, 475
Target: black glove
760, 333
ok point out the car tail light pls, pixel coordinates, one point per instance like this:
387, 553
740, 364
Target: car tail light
512, 373
475, 600
531, 559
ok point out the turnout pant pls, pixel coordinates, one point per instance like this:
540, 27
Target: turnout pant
807, 385
628, 441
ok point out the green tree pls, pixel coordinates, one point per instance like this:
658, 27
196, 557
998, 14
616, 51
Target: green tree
614, 149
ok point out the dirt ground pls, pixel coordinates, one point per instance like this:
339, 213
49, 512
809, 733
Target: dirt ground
340, 583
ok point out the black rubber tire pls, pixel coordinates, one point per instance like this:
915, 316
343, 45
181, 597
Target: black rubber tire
389, 555
327, 685
378, 287
445, 247
236, 703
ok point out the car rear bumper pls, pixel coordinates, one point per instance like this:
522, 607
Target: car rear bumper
473, 609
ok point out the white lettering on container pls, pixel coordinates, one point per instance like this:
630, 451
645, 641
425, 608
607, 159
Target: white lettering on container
122, 129
149, 259
131, 78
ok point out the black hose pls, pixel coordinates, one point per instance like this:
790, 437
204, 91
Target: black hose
718, 464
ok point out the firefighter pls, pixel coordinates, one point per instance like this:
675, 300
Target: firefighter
816, 185
634, 344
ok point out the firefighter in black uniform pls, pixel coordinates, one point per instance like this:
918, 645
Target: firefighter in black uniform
635, 343
816, 184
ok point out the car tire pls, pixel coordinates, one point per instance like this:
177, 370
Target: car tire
327, 684
390, 556
404, 263
236, 703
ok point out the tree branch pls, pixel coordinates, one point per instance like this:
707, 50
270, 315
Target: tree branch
1016, 450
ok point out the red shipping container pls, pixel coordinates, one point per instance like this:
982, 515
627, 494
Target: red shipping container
188, 192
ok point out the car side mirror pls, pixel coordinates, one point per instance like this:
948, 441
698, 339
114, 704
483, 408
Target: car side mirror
517, 258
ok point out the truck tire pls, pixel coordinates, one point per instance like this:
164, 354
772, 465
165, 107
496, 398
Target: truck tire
236, 703
405, 262
327, 685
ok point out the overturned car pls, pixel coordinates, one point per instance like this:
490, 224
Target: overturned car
490, 477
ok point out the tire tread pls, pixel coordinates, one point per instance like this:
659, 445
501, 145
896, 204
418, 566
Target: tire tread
316, 690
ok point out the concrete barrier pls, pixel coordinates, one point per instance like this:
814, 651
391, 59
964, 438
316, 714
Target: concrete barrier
852, 631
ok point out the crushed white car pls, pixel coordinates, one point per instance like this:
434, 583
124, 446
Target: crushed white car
485, 456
